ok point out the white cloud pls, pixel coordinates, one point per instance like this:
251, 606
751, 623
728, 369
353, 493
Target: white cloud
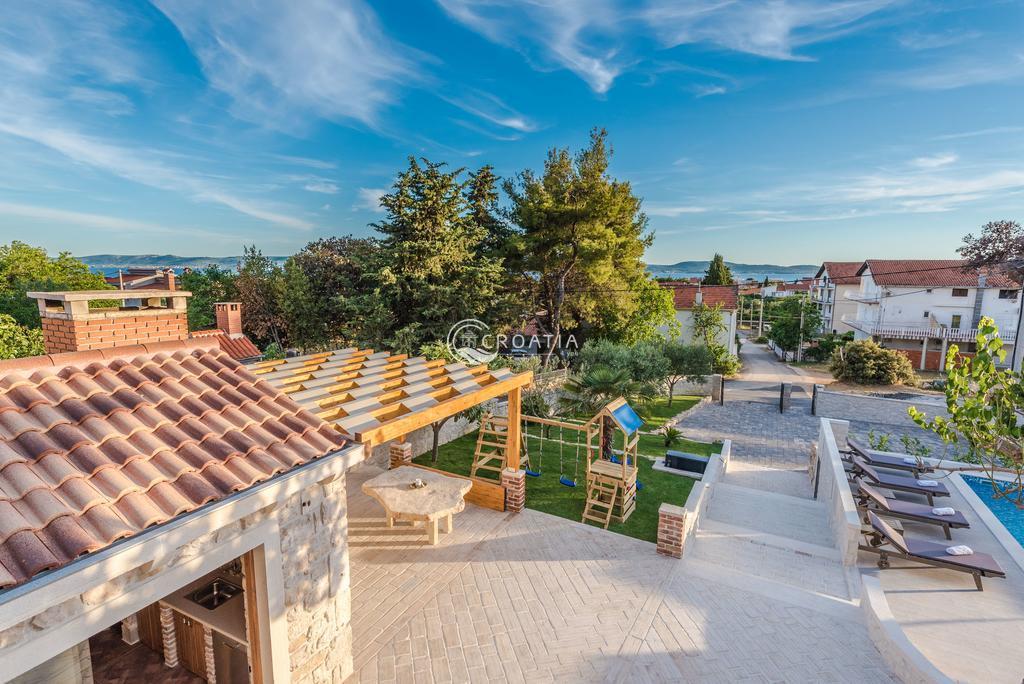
281, 62
490, 108
322, 186
959, 73
996, 130
672, 210
305, 161
100, 221
705, 90
108, 101
934, 162
369, 198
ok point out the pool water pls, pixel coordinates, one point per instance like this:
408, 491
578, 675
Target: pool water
1004, 509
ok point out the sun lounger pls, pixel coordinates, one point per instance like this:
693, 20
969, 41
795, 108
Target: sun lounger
898, 483
870, 498
880, 460
928, 553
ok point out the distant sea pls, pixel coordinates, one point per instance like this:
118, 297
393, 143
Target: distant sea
759, 276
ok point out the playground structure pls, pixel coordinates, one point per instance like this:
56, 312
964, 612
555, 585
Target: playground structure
611, 470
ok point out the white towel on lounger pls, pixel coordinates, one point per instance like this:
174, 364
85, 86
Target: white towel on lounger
945, 510
927, 483
960, 550
910, 460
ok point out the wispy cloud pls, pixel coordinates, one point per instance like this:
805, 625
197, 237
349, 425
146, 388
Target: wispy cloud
369, 198
285, 62
934, 162
108, 101
325, 187
491, 109
996, 130
305, 161
959, 72
672, 210
705, 90
917, 40
103, 222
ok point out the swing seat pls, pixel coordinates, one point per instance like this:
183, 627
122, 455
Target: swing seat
532, 473
614, 459
639, 485
565, 480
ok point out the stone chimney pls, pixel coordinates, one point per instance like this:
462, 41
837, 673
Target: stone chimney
229, 317
70, 325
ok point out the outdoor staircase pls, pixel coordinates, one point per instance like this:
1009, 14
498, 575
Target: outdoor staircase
491, 452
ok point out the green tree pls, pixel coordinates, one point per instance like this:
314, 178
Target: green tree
643, 362
686, 363
301, 311
650, 310
18, 340
983, 403
708, 323
24, 268
796, 319
867, 363
208, 286
260, 284
583, 236
433, 271
718, 273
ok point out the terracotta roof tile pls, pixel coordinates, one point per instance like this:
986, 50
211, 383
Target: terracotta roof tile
98, 447
841, 272
238, 347
684, 295
932, 273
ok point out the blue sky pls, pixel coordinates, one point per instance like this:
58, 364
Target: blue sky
783, 131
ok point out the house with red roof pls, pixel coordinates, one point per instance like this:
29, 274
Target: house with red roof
832, 283
921, 306
686, 297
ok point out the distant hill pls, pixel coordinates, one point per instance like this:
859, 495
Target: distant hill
687, 269
111, 262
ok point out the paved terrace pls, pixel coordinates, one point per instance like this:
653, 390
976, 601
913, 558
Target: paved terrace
532, 597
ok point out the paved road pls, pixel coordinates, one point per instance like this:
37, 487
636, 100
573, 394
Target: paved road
761, 376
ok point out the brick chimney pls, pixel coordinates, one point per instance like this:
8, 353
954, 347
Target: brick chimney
229, 317
70, 325
169, 280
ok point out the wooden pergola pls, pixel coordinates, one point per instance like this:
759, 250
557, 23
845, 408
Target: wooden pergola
376, 397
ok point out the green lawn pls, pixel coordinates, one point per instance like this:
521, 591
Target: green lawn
545, 494
659, 412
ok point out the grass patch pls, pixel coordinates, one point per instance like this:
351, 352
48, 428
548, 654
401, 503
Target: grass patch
545, 494
659, 412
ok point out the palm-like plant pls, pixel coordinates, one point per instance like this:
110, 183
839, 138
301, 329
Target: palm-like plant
588, 393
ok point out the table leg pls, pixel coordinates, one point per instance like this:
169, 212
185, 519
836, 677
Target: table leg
448, 523
432, 532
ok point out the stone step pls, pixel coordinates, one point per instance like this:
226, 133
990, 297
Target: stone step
802, 520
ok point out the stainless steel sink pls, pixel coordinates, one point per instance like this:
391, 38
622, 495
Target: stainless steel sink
215, 594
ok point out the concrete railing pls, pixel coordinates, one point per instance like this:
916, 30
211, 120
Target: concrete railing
679, 523
833, 488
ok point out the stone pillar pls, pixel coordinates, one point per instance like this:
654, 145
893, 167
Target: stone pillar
924, 353
169, 637
399, 454
514, 483
671, 520
211, 664
130, 629
715, 381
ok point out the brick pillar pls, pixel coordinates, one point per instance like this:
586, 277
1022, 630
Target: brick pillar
514, 483
229, 317
169, 637
130, 629
399, 454
211, 664
671, 520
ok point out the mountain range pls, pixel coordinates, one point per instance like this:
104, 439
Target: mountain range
109, 263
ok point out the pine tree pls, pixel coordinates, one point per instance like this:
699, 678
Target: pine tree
718, 273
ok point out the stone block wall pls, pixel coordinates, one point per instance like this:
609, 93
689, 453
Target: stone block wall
867, 409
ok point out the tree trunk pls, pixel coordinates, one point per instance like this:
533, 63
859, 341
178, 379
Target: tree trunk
671, 389
436, 429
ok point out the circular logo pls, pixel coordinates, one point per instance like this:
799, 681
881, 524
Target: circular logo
471, 341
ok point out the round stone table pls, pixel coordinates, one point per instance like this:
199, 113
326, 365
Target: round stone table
439, 500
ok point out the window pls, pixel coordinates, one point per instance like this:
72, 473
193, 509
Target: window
956, 321
1007, 294
959, 291
926, 314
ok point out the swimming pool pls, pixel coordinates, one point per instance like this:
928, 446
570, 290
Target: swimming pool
1005, 510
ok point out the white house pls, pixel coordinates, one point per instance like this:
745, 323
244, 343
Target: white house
921, 306
780, 290
832, 283
686, 296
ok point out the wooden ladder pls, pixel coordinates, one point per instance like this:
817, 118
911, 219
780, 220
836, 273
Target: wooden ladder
602, 498
491, 445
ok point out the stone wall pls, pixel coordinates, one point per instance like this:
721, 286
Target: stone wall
867, 409
827, 474
73, 666
317, 599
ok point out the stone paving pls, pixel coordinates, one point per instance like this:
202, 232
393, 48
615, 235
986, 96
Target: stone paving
760, 596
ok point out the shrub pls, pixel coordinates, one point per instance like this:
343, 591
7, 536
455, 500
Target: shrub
273, 352
723, 362
672, 436
867, 363
761, 339
825, 346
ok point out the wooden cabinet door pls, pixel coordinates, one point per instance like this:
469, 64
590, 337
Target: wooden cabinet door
149, 628
191, 647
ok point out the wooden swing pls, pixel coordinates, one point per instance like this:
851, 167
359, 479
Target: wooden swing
611, 477
491, 452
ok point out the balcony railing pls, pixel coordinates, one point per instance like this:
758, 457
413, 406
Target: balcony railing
915, 332
872, 297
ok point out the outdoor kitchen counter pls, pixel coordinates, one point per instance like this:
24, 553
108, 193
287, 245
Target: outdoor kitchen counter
227, 618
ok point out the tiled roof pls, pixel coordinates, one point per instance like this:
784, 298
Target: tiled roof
930, 273
841, 272
97, 446
239, 347
684, 295
803, 285
357, 390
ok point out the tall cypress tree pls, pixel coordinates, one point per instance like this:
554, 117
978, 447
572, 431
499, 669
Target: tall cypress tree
718, 273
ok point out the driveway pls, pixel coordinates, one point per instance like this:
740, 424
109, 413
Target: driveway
761, 376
